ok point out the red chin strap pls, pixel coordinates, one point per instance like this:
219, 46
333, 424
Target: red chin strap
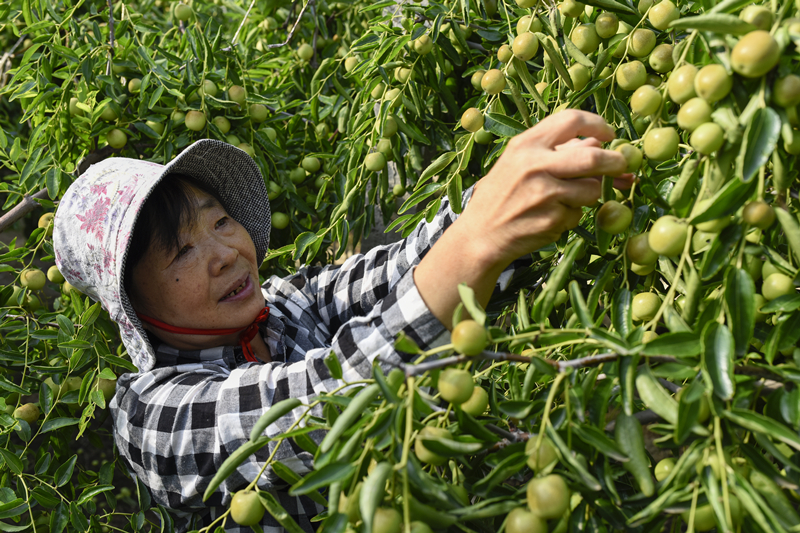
247, 334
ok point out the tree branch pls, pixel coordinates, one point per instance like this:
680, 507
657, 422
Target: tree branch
247, 14
27, 205
6, 59
291, 32
110, 38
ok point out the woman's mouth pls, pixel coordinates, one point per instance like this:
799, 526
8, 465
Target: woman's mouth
240, 292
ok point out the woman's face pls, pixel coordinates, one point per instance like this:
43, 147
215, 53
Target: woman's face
210, 281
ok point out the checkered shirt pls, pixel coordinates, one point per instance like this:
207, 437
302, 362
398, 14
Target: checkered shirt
175, 424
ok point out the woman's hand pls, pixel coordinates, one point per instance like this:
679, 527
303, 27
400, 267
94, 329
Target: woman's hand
537, 188
531, 196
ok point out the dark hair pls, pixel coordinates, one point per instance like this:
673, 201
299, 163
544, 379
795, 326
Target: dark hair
170, 207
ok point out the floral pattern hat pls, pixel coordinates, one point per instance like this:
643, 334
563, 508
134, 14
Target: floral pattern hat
96, 217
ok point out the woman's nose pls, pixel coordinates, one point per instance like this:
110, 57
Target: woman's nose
223, 255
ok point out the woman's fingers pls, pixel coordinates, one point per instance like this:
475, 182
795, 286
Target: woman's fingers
584, 161
589, 142
578, 192
559, 128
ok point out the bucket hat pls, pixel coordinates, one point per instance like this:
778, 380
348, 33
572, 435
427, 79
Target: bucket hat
95, 220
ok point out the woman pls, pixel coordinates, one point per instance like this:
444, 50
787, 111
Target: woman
173, 252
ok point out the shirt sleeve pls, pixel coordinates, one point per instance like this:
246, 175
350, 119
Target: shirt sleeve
339, 293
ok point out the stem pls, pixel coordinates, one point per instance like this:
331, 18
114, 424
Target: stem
291, 32
244, 19
27, 205
110, 38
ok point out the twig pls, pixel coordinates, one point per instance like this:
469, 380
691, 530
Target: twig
27, 205
288, 17
561, 366
247, 14
669, 385
477, 46
7, 59
316, 34
291, 32
110, 38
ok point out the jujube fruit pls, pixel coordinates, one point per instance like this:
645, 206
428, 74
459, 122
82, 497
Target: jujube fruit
386, 520
548, 497
707, 138
538, 459
280, 220
476, 78
580, 76
661, 144
525, 24
645, 306
305, 52
713, 83
662, 14
525, 46
585, 38
520, 520
350, 63
646, 100
680, 85
258, 113
786, 91
641, 42
758, 16
195, 120
222, 123
209, 88
469, 337
704, 518
33, 279
693, 113
472, 120
663, 468
477, 403
455, 385
639, 251
54, 275
246, 508
423, 45
504, 54
613, 217
375, 162
237, 94
668, 236
755, 54
571, 8
483, 137
493, 81
759, 214
632, 155
631, 75
183, 12
116, 139
606, 25
29, 412
777, 285
311, 164
661, 58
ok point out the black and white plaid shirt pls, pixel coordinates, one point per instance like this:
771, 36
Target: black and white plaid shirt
177, 423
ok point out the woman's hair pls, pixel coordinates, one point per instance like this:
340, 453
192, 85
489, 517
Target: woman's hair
170, 207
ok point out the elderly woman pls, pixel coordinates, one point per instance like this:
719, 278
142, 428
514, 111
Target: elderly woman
172, 253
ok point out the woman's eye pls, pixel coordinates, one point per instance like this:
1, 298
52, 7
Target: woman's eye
222, 221
183, 251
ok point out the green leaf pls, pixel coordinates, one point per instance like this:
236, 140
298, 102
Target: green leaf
579, 304
718, 354
452, 448
230, 464
501, 125
609, 340
404, 343
64, 472
714, 22
91, 492
437, 166
613, 5
784, 304
572, 462
555, 57
760, 139
305, 241
791, 229
334, 367
680, 344
761, 424
740, 302
556, 281
58, 423
727, 201
621, 315
718, 255
272, 414
471, 303
279, 513
14, 463
372, 492
318, 479
599, 440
